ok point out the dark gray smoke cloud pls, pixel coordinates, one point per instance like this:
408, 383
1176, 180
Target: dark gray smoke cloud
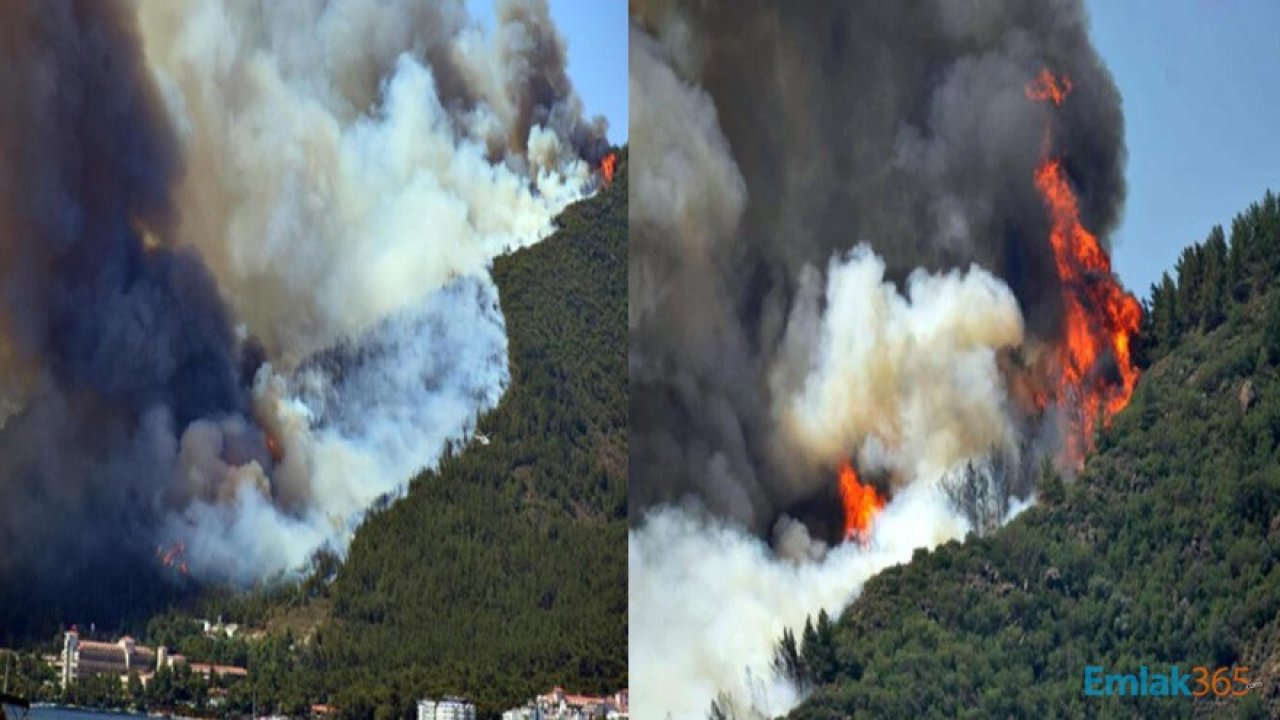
121, 344
789, 132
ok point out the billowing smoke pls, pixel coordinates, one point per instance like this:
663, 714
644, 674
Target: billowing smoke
708, 601
838, 253
244, 253
346, 159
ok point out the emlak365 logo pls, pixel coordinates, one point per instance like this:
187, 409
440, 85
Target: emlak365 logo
1200, 682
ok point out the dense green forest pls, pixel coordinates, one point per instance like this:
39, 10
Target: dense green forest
1163, 551
499, 574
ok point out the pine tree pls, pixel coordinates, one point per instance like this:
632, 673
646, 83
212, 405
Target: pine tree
787, 660
1271, 330
1213, 299
1164, 301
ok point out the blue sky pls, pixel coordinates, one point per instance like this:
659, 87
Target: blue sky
1201, 86
596, 34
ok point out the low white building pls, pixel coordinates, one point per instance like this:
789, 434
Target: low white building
449, 708
561, 705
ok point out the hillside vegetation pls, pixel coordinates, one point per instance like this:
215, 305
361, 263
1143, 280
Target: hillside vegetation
503, 571
1164, 551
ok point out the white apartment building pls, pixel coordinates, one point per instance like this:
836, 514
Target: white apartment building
449, 708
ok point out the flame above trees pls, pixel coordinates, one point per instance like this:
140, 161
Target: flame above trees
608, 166
1095, 366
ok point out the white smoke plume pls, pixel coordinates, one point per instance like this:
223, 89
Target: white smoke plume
333, 178
910, 382
709, 602
353, 168
353, 426
916, 374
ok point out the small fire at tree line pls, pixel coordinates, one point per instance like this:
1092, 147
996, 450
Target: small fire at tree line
861, 504
609, 165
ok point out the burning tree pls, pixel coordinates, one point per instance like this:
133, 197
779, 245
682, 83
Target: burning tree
1100, 318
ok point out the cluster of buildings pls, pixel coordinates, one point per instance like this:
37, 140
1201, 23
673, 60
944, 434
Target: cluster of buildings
555, 705
560, 705
449, 708
218, 629
124, 657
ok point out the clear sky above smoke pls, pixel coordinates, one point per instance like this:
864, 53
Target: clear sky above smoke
1199, 81
596, 32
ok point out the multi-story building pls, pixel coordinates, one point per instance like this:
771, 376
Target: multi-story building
81, 658
449, 708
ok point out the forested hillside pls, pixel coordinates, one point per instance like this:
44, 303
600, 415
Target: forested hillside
1163, 551
504, 571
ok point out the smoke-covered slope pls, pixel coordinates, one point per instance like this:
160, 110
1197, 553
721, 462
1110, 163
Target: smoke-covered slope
244, 275
1164, 551
503, 572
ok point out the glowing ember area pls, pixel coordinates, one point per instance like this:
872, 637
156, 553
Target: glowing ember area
273, 447
608, 166
1100, 317
1047, 88
172, 558
861, 504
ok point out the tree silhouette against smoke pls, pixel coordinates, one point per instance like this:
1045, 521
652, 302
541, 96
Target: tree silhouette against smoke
980, 493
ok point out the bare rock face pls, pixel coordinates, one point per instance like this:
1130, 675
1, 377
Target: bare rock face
1248, 396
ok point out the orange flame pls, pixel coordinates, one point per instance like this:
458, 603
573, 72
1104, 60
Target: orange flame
172, 558
608, 166
861, 504
1046, 87
1100, 317
273, 446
